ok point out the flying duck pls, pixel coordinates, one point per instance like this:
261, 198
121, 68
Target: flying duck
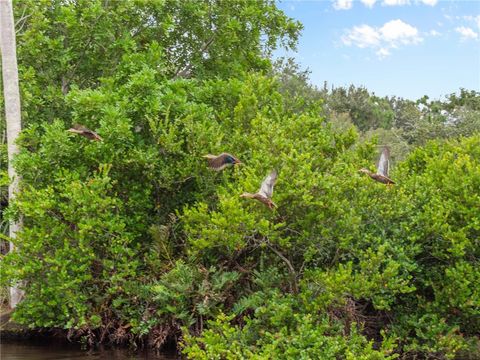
264, 195
220, 162
382, 169
82, 130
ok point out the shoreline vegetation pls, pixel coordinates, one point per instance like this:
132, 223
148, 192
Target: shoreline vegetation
130, 238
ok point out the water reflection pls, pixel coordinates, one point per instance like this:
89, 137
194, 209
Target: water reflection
28, 350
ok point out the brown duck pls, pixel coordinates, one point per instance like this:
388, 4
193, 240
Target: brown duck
83, 131
264, 195
382, 169
220, 162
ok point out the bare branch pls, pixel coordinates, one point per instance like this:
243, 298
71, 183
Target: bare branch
22, 21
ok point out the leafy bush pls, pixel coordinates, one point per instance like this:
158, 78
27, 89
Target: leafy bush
136, 231
134, 239
407, 269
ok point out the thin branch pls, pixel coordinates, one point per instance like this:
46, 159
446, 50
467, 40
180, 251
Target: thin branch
64, 86
22, 20
289, 265
185, 72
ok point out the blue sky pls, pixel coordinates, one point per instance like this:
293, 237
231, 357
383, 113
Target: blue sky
407, 48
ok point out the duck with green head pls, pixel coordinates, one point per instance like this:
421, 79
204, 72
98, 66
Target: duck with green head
220, 162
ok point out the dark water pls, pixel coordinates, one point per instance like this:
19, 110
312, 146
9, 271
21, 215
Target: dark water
28, 350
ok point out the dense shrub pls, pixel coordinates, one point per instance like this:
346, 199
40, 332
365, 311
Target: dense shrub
134, 239
136, 231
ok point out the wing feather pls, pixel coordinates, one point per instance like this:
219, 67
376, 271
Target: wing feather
218, 163
384, 162
86, 132
267, 185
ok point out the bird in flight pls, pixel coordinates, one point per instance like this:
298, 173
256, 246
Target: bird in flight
220, 162
264, 195
382, 169
82, 130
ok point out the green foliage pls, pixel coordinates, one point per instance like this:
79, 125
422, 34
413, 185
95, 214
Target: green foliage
74, 241
400, 123
134, 238
187, 293
155, 238
411, 262
199, 39
367, 111
281, 330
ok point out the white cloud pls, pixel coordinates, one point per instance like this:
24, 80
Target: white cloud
382, 53
383, 39
397, 32
362, 36
475, 19
342, 4
471, 18
396, 2
466, 32
368, 3
434, 33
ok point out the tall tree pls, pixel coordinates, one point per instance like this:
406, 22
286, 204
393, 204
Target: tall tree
12, 112
198, 39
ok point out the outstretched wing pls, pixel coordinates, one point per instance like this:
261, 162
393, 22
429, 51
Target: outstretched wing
384, 162
267, 185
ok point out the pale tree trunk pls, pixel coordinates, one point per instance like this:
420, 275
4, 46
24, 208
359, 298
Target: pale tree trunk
12, 112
